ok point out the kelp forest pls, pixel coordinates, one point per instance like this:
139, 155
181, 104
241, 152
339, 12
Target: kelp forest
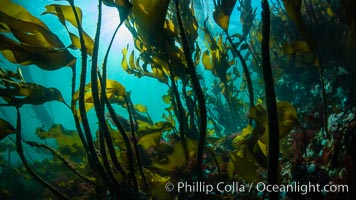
178, 99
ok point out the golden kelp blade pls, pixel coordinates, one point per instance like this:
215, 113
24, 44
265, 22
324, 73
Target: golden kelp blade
157, 184
8, 76
31, 34
146, 127
251, 145
175, 161
207, 60
149, 17
222, 13
18, 12
35, 43
140, 108
244, 165
150, 28
221, 19
115, 92
44, 58
150, 140
113, 88
65, 13
123, 6
67, 140
296, 47
124, 64
293, 8
241, 139
287, 116
131, 67
29, 93
216, 57
5, 129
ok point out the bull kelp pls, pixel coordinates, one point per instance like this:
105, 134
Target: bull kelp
177, 99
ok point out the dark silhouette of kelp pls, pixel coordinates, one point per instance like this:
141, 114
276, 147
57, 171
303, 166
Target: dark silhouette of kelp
273, 137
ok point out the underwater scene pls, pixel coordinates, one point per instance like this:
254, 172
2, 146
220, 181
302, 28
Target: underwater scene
177, 99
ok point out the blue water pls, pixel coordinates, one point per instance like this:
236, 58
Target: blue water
146, 91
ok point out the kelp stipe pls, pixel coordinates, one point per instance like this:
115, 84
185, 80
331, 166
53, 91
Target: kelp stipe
273, 137
92, 155
20, 151
198, 92
124, 10
104, 135
133, 134
63, 159
183, 127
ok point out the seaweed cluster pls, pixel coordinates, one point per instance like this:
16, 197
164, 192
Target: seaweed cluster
272, 103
